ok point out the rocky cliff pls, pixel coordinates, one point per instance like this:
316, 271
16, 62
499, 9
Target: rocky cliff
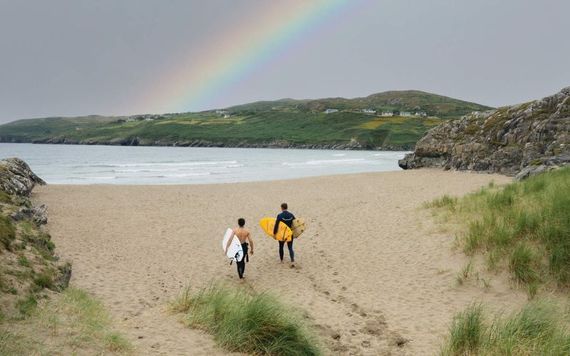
29, 267
518, 140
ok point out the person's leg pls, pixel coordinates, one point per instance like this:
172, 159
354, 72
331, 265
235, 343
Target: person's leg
245, 258
281, 244
240, 268
291, 252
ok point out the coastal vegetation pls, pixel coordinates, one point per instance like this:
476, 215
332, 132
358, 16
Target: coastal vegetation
351, 123
523, 227
63, 323
539, 328
39, 314
244, 321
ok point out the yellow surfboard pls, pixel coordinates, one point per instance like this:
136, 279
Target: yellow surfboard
284, 233
298, 227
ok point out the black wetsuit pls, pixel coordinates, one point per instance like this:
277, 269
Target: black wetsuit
287, 218
241, 264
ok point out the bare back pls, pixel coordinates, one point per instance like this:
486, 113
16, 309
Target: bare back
242, 234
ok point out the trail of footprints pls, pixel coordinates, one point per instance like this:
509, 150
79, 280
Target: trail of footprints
363, 327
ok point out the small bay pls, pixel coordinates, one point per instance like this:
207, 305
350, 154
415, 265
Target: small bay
82, 164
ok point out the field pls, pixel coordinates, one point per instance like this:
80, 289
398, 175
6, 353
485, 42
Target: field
282, 123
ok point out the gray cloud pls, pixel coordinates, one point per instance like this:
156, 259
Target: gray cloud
80, 57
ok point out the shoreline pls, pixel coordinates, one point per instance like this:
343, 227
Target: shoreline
284, 180
208, 144
372, 267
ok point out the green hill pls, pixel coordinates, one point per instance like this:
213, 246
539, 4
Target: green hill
355, 123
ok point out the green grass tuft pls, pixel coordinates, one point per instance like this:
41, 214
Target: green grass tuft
522, 264
245, 322
538, 329
466, 332
7, 232
27, 306
44, 280
23, 261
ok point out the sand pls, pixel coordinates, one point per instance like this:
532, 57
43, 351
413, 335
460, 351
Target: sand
374, 273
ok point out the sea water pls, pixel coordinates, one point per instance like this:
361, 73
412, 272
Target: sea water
81, 164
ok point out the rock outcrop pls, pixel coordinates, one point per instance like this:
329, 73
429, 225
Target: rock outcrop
519, 140
28, 263
16, 177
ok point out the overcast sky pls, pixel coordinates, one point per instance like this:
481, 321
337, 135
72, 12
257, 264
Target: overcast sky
78, 57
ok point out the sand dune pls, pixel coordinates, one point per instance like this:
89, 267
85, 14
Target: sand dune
373, 273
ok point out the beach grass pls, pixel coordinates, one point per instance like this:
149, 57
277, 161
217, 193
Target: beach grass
523, 227
539, 328
7, 232
66, 323
244, 321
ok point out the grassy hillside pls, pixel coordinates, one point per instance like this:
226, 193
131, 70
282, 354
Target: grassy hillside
406, 100
280, 123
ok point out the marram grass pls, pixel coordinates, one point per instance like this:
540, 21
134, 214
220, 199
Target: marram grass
246, 322
73, 322
538, 329
523, 227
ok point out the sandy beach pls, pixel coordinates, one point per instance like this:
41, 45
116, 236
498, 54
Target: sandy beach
374, 273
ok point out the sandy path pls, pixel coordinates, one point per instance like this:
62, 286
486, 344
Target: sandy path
371, 272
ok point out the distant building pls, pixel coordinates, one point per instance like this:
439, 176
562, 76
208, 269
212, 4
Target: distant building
420, 114
226, 116
387, 114
405, 113
369, 111
221, 112
330, 111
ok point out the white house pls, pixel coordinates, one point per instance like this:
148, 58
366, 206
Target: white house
330, 111
387, 114
369, 111
420, 113
405, 113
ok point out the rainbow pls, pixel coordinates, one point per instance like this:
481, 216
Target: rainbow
233, 55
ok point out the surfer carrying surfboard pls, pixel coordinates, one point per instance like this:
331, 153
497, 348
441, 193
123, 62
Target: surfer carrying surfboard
244, 238
287, 218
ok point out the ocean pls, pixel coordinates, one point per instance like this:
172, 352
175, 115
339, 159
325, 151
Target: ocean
81, 164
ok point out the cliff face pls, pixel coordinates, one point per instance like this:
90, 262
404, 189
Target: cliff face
516, 140
29, 266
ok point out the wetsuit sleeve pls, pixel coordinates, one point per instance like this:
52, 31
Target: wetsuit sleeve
277, 220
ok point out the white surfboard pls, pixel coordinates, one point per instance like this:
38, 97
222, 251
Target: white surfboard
235, 252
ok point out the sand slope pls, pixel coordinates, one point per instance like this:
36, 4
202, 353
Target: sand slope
372, 272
